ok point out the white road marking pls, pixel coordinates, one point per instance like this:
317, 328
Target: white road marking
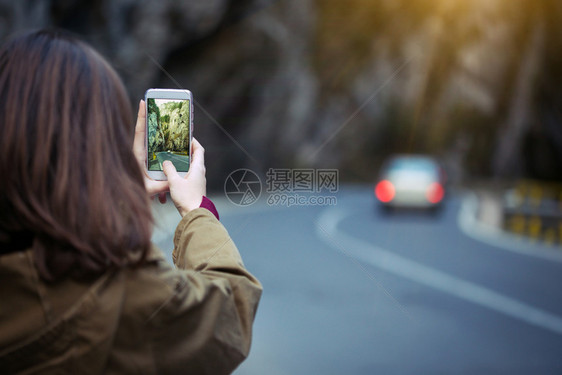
419, 273
469, 225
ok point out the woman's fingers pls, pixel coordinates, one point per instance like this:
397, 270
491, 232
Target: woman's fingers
197, 157
188, 192
139, 147
152, 187
170, 171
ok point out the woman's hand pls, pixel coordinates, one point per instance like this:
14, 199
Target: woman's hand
153, 187
187, 193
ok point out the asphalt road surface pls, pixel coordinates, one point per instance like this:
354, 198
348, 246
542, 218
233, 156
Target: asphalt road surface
349, 290
181, 162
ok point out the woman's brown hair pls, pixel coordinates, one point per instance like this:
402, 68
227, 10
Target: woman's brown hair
70, 186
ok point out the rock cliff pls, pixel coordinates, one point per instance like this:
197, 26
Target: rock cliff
332, 84
176, 124
168, 126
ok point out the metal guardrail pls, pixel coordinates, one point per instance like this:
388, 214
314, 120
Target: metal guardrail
534, 209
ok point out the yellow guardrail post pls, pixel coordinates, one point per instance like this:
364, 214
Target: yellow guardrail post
549, 236
535, 226
516, 224
535, 211
536, 194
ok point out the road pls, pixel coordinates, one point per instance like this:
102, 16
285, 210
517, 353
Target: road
181, 162
349, 290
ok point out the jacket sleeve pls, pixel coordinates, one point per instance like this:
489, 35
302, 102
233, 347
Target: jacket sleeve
206, 324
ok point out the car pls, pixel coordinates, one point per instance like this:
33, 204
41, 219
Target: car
411, 181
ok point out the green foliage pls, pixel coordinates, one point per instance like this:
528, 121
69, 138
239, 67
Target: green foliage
174, 125
153, 125
153, 108
171, 106
456, 39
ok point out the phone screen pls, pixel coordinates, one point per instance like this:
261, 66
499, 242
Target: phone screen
168, 123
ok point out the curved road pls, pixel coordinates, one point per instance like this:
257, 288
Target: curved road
181, 162
349, 290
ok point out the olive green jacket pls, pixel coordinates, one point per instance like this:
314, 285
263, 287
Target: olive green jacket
155, 319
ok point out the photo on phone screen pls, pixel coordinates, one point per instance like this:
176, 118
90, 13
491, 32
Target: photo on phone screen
168, 123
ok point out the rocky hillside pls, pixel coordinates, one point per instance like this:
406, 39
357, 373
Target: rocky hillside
327, 83
175, 119
155, 129
168, 126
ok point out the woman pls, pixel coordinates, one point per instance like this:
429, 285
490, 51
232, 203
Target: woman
82, 290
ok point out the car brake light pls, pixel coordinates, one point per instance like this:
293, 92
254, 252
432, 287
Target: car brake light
435, 193
384, 191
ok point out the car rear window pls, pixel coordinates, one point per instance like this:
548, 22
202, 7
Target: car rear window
424, 165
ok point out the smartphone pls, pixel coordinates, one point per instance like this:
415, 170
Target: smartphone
169, 128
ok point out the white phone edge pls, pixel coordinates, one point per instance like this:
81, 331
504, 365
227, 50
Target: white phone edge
166, 94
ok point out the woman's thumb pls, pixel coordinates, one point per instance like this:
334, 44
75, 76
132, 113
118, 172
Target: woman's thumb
169, 170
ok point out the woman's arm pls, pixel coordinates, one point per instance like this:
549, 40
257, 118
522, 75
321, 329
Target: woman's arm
204, 325
207, 326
